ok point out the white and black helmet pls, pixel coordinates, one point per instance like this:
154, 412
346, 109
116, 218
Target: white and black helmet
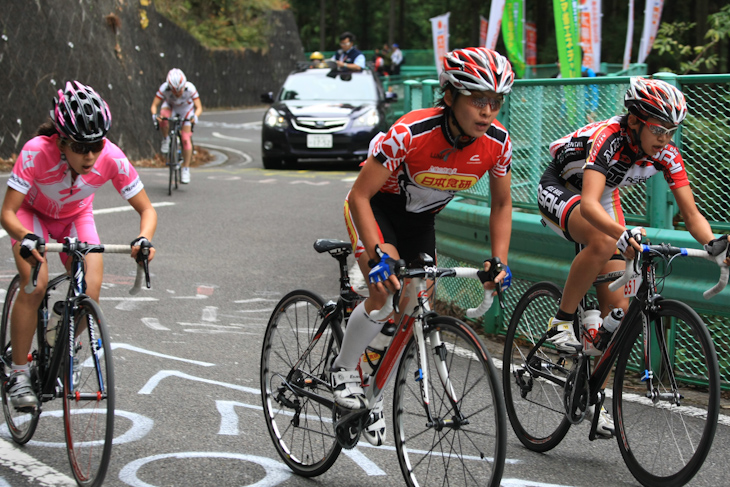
477, 69
655, 98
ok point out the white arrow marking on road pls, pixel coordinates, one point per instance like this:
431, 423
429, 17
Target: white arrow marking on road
228, 137
310, 183
229, 426
163, 374
36, 472
156, 354
154, 323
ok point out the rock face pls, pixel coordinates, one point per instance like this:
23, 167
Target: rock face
123, 49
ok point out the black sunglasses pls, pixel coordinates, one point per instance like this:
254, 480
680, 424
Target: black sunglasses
83, 149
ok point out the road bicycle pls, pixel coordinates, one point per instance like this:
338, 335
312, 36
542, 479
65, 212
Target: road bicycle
666, 385
449, 421
74, 364
174, 154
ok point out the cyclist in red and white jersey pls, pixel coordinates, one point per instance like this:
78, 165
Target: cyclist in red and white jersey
578, 197
410, 174
50, 194
178, 97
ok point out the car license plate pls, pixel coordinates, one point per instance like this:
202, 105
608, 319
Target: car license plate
319, 141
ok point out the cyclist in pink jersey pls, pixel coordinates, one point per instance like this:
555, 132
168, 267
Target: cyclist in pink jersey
578, 198
178, 97
410, 174
50, 194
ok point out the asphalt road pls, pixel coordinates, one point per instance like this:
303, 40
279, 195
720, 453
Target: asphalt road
186, 352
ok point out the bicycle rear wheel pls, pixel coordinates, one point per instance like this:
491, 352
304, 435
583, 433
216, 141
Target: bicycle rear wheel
88, 407
535, 403
301, 428
662, 442
21, 424
466, 442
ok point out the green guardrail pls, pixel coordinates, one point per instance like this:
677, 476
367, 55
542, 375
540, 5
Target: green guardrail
539, 111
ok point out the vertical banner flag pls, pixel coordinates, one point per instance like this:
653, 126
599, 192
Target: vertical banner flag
590, 33
495, 23
483, 31
629, 36
531, 43
652, 16
440, 30
513, 34
566, 33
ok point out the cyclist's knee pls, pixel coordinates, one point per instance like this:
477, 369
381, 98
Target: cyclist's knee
187, 139
602, 245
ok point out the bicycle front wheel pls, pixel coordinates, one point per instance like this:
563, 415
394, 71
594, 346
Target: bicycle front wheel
301, 428
664, 441
464, 442
534, 376
172, 162
88, 391
21, 424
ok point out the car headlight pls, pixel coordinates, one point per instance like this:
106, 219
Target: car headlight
275, 119
368, 119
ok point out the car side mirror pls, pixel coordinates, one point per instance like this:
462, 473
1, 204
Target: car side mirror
267, 97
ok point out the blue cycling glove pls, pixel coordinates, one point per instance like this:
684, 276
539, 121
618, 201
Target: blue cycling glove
507, 281
381, 270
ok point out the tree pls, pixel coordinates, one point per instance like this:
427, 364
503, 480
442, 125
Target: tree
693, 59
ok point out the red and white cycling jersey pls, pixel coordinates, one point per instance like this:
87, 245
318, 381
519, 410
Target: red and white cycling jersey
182, 105
45, 179
427, 170
606, 147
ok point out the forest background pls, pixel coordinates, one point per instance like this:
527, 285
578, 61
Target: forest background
693, 36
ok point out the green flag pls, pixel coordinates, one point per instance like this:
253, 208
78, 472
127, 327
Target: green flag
566, 32
513, 34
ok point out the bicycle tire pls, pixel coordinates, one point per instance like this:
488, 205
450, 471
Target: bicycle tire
88, 392
664, 444
535, 406
305, 441
21, 425
171, 161
468, 454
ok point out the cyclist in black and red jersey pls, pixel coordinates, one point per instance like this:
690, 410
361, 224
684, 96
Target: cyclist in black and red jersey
578, 197
411, 173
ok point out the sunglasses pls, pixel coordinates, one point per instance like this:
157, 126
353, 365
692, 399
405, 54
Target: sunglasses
659, 130
484, 101
83, 149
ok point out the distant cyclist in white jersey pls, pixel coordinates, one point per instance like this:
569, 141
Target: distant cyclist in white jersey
178, 97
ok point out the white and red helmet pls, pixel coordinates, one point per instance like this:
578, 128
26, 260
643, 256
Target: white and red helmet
655, 98
176, 79
477, 69
80, 114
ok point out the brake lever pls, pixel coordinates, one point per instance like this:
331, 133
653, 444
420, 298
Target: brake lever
399, 265
143, 259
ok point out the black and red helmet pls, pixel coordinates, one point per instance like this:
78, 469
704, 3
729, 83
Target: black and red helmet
80, 114
477, 69
655, 98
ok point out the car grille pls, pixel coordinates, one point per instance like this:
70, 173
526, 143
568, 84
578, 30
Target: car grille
319, 125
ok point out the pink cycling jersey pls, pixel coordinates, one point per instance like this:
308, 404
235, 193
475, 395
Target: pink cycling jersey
46, 180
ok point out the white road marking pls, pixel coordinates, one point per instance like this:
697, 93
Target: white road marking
163, 374
154, 323
247, 159
36, 472
126, 346
228, 137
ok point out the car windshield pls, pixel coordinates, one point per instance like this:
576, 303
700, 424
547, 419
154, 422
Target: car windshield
315, 85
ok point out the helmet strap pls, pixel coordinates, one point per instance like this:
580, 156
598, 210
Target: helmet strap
457, 142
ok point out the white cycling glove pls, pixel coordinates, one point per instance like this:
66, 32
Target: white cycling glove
623, 241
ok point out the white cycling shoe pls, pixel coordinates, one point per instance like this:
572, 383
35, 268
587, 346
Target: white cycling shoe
560, 334
375, 432
347, 388
605, 427
165, 146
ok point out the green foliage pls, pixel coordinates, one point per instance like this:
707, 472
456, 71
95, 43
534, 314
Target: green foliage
692, 59
231, 24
